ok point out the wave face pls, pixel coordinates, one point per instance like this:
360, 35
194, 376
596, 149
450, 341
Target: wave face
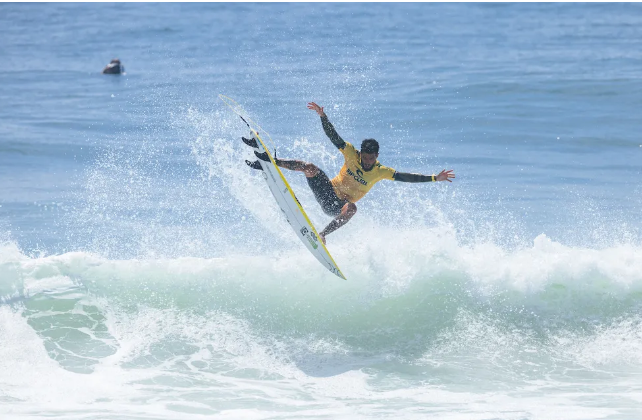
409, 323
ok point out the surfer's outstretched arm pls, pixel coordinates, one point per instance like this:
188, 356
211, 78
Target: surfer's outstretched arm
335, 138
348, 210
444, 175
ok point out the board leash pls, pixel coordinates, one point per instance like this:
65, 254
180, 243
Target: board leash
239, 110
250, 127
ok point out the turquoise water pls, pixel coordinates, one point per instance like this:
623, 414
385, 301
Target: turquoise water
146, 273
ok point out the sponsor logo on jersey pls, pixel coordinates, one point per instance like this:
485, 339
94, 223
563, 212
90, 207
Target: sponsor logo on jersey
358, 176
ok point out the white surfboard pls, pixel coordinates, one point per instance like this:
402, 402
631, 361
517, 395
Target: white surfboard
285, 197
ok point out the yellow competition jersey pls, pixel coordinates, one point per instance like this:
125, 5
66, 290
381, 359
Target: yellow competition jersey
353, 182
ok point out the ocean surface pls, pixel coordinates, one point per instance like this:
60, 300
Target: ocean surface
146, 272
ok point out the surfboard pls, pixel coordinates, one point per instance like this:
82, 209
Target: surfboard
284, 195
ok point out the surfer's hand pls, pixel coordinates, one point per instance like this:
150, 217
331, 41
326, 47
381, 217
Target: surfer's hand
317, 108
445, 175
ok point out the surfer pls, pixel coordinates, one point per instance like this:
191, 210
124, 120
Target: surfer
360, 171
114, 67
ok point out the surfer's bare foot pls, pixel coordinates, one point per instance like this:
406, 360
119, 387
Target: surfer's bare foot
322, 236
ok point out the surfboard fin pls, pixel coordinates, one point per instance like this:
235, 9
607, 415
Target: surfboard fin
254, 165
250, 142
263, 156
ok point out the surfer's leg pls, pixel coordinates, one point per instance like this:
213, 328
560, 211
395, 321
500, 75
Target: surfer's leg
308, 169
324, 193
348, 210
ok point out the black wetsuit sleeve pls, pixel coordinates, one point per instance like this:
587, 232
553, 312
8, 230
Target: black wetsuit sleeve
332, 133
406, 177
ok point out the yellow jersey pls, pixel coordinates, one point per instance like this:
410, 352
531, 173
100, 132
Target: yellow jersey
353, 182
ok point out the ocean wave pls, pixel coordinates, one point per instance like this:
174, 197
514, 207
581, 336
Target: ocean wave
409, 289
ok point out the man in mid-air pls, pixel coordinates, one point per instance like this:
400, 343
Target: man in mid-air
359, 173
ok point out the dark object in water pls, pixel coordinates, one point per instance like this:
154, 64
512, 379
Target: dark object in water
114, 67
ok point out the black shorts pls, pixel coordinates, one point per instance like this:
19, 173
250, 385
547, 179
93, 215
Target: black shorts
324, 193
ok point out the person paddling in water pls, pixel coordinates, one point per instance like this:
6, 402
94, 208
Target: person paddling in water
360, 171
